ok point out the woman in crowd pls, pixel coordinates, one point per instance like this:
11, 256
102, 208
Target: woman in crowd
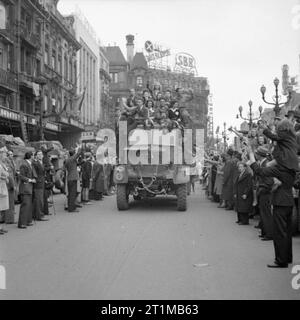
11, 187
4, 197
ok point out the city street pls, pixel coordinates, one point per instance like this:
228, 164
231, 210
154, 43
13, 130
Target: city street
149, 252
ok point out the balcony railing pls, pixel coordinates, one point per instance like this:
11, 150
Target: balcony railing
8, 80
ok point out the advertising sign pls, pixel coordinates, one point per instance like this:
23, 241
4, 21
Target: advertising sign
185, 63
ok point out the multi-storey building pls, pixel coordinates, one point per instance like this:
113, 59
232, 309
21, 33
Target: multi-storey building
41, 56
107, 110
87, 69
135, 73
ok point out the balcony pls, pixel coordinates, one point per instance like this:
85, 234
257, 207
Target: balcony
8, 80
29, 37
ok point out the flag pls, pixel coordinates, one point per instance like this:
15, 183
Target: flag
82, 99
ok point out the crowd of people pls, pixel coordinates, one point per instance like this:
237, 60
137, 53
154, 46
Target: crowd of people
156, 109
84, 180
260, 177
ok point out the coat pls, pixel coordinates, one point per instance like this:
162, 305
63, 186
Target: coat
71, 167
219, 180
4, 200
86, 174
227, 192
283, 195
26, 172
98, 177
40, 174
244, 186
286, 149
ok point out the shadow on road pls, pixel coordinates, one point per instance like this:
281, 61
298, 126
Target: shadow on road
166, 204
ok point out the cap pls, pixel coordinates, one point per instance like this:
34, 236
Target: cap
262, 151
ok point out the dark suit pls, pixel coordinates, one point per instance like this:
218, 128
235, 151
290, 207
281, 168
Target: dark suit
264, 202
283, 202
72, 178
243, 186
38, 190
286, 149
227, 193
26, 190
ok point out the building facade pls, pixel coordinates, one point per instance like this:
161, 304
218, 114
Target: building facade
107, 110
87, 69
40, 65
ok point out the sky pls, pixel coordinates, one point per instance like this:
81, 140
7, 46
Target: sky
237, 44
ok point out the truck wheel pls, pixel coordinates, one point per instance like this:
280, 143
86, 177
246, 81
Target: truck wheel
122, 197
181, 197
137, 198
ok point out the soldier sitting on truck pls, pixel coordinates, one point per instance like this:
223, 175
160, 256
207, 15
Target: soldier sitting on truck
140, 116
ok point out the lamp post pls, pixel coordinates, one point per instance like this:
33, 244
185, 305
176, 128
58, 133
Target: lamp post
250, 118
276, 98
225, 136
39, 112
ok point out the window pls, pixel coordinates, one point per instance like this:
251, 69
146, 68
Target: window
38, 68
22, 59
46, 57
114, 77
45, 102
1, 59
2, 16
22, 103
139, 81
28, 63
53, 60
29, 109
59, 64
38, 29
65, 68
70, 71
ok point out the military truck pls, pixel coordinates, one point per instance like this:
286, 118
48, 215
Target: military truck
149, 180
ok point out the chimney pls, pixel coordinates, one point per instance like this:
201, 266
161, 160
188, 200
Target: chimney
130, 47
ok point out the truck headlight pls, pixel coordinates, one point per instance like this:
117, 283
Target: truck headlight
120, 173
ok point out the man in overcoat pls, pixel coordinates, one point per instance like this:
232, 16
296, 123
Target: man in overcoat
27, 179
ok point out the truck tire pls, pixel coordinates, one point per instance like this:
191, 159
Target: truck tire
122, 197
137, 198
181, 197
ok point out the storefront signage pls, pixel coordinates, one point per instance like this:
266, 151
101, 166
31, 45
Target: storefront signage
9, 114
185, 63
88, 135
52, 126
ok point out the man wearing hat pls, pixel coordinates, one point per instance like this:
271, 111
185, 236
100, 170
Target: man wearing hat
264, 189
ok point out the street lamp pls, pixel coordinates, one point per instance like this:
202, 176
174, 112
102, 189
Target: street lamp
251, 118
225, 136
276, 98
